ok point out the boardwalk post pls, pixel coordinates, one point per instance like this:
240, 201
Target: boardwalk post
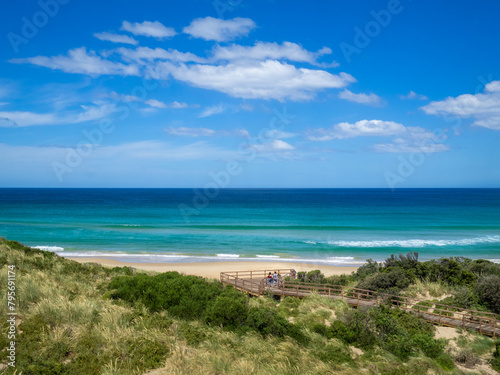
463, 322
480, 328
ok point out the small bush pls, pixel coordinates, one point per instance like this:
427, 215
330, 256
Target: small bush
229, 309
333, 355
267, 321
467, 358
193, 335
386, 281
488, 289
182, 296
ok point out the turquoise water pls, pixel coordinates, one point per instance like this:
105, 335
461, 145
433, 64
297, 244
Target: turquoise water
333, 226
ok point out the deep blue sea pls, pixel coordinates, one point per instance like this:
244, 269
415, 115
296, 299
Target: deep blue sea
331, 226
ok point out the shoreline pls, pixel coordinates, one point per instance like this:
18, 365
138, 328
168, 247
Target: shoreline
212, 270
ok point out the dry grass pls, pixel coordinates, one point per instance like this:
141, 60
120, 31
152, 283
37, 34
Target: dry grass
87, 333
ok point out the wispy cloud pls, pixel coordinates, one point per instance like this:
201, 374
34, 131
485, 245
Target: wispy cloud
413, 95
213, 110
368, 99
363, 128
80, 61
272, 146
274, 51
144, 55
219, 30
147, 28
116, 38
205, 132
158, 104
406, 139
484, 107
22, 119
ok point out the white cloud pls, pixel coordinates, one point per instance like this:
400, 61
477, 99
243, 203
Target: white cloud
273, 146
191, 132
213, 110
428, 148
413, 95
415, 139
484, 107
205, 132
155, 103
493, 86
274, 51
116, 38
158, 104
360, 128
278, 134
147, 28
261, 80
145, 54
368, 99
219, 30
22, 119
407, 139
81, 62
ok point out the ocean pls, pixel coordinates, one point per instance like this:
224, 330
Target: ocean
327, 226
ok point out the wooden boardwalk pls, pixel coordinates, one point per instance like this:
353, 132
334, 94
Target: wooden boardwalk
256, 283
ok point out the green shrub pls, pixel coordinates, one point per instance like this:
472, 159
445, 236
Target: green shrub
267, 321
488, 290
386, 281
357, 328
193, 335
400, 345
369, 268
229, 309
182, 296
333, 355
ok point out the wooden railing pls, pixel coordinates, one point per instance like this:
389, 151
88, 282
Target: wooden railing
256, 283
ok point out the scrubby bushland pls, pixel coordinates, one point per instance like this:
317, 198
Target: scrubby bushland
229, 309
317, 277
190, 297
70, 324
182, 296
475, 283
488, 290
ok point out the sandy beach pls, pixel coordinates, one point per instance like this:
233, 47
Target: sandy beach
213, 269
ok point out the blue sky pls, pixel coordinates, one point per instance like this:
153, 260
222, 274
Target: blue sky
240, 93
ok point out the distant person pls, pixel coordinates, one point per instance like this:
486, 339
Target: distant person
293, 274
275, 278
269, 278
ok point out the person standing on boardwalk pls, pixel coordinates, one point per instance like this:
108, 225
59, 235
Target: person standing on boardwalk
275, 278
269, 279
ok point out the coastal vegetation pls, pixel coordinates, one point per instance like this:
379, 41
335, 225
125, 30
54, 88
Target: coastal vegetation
88, 319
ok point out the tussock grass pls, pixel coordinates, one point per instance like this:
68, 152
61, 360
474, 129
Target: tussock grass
69, 325
427, 289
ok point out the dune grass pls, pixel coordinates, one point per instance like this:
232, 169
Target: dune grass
71, 322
